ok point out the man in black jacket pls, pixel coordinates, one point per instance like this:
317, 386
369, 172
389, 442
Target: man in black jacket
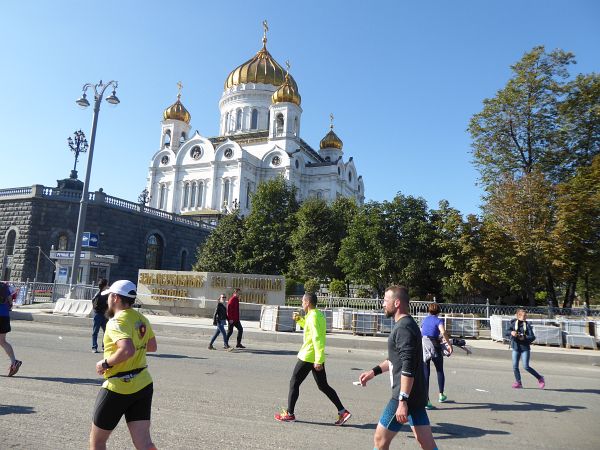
407, 376
100, 305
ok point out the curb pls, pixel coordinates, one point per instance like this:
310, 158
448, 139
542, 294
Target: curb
349, 342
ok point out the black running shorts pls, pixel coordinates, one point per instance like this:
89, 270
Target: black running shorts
111, 406
4, 325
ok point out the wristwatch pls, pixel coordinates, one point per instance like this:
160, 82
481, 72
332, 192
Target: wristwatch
105, 365
403, 396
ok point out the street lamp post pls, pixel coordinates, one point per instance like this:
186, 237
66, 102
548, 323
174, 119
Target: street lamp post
99, 90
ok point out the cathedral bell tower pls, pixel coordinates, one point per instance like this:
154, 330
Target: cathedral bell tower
176, 125
285, 110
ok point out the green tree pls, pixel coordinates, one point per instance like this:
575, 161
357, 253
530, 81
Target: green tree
315, 241
579, 121
218, 253
265, 247
522, 210
577, 232
337, 288
517, 130
362, 250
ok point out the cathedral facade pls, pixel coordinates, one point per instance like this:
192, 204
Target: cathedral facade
259, 139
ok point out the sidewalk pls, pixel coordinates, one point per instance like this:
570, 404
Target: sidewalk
189, 327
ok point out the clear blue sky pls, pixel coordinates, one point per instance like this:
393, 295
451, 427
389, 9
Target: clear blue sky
402, 79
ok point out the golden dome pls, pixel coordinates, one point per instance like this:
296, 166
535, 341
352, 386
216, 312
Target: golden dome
177, 111
286, 93
331, 140
261, 68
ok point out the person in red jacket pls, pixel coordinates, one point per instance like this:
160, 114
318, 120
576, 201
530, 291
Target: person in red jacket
233, 317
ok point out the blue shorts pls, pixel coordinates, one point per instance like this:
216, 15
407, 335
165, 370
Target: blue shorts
416, 417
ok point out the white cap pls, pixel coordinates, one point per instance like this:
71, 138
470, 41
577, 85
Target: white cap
122, 287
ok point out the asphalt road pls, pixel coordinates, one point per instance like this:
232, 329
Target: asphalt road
218, 400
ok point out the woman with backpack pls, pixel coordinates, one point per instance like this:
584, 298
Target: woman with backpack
521, 336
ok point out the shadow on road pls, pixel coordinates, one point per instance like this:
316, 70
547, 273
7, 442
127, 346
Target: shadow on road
172, 356
452, 430
365, 426
15, 409
517, 406
90, 381
267, 352
576, 391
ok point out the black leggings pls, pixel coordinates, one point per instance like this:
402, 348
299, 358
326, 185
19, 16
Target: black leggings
300, 373
237, 324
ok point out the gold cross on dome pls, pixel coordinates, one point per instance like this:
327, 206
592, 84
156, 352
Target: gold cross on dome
331, 119
265, 29
179, 87
287, 65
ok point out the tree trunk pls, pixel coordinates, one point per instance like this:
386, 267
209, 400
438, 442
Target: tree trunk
552, 300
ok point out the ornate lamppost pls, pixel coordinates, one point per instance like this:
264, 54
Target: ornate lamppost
99, 90
77, 145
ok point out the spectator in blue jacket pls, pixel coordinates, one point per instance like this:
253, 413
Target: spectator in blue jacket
521, 336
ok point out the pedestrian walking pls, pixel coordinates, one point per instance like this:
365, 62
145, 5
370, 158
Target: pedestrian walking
7, 296
219, 320
434, 337
233, 317
407, 376
311, 358
127, 388
521, 336
100, 305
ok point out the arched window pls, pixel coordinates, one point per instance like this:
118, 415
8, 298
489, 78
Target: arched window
279, 123
182, 138
269, 118
319, 195
162, 198
226, 186
248, 193
63, 242
10, 242
167, 138
350, 176
154, 250
200, 194
226, 127
186, 195
238, 119
193, 195
295, 126
183, 260
254, 120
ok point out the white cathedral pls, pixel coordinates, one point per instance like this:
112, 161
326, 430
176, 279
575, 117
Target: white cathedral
259, 139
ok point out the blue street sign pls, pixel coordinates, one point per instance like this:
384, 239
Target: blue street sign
89, 240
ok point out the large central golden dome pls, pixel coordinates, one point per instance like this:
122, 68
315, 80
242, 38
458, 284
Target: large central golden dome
261, 68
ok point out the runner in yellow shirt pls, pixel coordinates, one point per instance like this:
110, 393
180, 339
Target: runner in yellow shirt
127, 389
311, 357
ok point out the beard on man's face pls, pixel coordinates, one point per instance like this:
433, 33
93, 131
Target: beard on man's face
389, 313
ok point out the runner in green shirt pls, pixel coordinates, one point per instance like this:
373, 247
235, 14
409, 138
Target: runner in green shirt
311, 358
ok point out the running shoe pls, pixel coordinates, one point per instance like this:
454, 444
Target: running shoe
517, 385
14, 368
429, 405
210, 347
542, 383
443, 398
343, 417
226, 347
239, 346
285, 416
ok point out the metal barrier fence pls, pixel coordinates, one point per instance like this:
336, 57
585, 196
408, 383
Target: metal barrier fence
29, 292
420, 307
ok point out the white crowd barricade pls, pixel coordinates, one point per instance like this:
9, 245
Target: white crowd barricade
581, 341
69, 307
462, 325
342, 318
547, 335
364, 322
277, 318
385, 323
